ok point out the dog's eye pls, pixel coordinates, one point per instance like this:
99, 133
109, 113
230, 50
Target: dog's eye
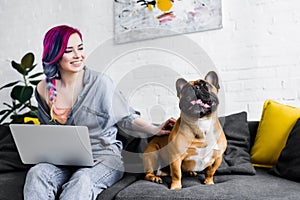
204, 85
197, 87
208, 86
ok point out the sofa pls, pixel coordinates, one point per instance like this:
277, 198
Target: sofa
237, 177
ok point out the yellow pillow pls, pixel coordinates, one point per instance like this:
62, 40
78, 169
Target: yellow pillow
274, 127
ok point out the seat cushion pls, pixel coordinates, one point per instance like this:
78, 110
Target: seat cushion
260, 186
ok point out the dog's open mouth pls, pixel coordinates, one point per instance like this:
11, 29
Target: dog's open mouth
200, 106
201, 103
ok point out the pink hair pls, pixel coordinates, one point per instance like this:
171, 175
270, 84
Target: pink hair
55, 44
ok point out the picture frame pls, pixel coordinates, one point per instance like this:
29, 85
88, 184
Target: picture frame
136, 20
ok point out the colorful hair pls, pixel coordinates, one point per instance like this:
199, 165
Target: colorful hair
55, 44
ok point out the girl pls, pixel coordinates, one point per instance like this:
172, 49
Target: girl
72, 94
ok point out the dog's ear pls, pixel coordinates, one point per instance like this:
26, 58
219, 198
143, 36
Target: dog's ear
213, 79
179, 85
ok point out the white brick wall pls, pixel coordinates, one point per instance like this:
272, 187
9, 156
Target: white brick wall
257, 52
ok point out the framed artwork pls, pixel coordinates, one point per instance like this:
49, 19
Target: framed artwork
144, 19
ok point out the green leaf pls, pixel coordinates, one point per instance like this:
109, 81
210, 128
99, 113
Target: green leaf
6, 104
35, 82
27, 61
21, 93
2, 112
17, 106
32, 108
23, 107
18, 67
36, 75
9, 85
26, 106
30, 69
33, 66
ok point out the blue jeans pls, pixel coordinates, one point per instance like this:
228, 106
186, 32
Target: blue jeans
47, 181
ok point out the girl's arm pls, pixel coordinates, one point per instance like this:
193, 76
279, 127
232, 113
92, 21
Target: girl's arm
141, 125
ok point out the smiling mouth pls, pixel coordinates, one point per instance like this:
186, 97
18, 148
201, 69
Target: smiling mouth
76, 63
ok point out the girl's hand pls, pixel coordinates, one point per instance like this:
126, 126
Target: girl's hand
166, 128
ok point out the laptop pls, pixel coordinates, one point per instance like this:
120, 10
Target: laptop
55, 144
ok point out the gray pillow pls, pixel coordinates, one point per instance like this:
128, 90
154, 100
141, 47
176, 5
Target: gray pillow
236, 159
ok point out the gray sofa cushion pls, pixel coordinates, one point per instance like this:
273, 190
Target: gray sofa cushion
111, 192
260, 186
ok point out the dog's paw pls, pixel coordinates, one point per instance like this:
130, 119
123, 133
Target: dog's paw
175, 186
153, 178
192, 173
209, 181
157, 179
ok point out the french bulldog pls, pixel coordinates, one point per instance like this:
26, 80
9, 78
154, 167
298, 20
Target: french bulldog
197, 141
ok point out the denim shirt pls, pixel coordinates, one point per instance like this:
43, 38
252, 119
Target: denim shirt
100, 107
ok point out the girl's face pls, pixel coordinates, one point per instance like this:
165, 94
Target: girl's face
74, 57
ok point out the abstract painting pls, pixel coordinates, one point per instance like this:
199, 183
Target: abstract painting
144, 19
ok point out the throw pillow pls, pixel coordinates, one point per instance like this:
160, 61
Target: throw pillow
236, 159
9, 156
288, 165
274, 127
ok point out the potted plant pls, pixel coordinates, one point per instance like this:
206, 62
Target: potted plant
21, 92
